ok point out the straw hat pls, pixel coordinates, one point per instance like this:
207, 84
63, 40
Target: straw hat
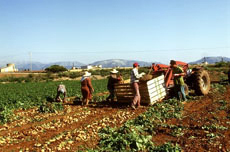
114, 71
87, 74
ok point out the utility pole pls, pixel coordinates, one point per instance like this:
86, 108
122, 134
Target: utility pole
30, 61
204, 59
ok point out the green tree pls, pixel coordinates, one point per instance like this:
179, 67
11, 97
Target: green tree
56, 69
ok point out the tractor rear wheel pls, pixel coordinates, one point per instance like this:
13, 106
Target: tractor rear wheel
201, 82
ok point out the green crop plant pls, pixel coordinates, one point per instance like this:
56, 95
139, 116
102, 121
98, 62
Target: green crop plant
136, 134
33, 94
127, 138
218, 87
6, 115
48, 107
168, 147
223, 104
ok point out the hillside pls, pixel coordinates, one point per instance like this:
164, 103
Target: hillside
105, 63
41, 66
120, 63
211, 60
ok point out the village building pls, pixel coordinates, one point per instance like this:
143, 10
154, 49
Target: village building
91, 67
9, 68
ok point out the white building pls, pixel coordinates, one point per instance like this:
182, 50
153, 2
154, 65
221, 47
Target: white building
9, 68
90, 67
87, 67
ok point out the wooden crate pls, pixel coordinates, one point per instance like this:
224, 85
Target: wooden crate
151, 91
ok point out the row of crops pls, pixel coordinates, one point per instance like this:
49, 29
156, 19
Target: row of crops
137, 134
27, 95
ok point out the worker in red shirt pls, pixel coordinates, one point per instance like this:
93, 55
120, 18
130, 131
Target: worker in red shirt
86, 88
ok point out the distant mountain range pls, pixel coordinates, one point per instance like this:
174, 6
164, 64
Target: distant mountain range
68, 64
120, 63
42, 66
211, 60
105, 63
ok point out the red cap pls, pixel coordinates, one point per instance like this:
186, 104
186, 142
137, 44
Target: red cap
135, 64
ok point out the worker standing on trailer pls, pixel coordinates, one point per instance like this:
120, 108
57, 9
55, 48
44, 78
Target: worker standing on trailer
61, 90
135, 76
113, 79
86, 88
179, 84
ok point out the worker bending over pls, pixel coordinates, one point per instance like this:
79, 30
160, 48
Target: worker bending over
61, 90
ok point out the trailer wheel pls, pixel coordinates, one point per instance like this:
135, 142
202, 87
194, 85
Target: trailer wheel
201, 82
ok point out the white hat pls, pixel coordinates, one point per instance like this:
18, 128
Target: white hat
114, 71
87, 74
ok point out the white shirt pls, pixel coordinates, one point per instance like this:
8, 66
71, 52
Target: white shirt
61, 88
135, 76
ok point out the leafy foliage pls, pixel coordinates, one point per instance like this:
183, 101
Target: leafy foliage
26, 95
56, 69
168, 147
222, 64
136, 134
48, 107
218, 87
6, 115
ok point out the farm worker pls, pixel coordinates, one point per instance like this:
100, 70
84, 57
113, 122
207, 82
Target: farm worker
113, 79
86, 88
135, 76
179, 84
61, 90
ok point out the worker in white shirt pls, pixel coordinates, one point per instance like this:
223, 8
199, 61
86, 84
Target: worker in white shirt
135, 76
61, 90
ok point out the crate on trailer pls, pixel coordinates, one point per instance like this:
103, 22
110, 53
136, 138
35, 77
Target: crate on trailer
151, 91
124, 92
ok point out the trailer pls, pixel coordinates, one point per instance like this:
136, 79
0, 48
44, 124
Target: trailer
151, 91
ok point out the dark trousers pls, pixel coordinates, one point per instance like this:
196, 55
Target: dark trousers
111, 95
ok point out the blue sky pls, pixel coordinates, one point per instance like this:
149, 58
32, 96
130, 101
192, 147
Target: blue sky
92, 30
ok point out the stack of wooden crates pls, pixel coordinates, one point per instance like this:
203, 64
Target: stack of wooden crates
151, 91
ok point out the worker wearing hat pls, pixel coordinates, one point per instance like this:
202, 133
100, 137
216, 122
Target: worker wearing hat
179, 84
86, 88
61, 90
113, 79
135, 76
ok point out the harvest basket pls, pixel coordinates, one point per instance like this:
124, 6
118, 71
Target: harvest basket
151, 91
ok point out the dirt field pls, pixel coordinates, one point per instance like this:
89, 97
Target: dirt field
74, 127
77, 126
204, 126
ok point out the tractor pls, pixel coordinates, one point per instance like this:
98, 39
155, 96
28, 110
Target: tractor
196, 78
